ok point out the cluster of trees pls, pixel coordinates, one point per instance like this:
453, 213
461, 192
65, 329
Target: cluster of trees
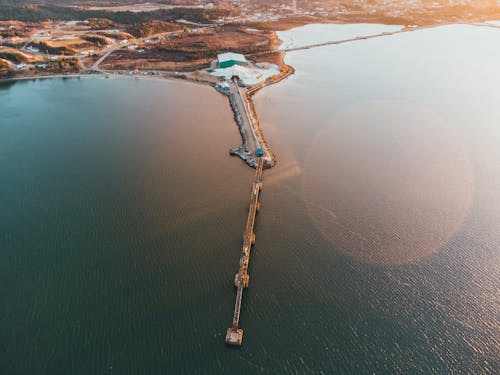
186, 54
11, 29
144, 29
5, 70
59, 50
13, 55
41, 12
99, 40
36, 13
201, 50
100, 23
70, 65
68, 2
65, 65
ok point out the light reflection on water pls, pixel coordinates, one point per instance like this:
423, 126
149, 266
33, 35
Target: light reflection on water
393, 191
397, 140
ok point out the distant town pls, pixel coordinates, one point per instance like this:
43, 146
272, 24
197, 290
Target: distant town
178, 37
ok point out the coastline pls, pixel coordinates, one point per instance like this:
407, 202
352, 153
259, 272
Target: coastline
244, 114
285, 72
242, 151
248, 107
32, 78
242, 105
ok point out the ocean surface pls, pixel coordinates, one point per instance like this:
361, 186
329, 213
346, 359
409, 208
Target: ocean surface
321, 33
377, 243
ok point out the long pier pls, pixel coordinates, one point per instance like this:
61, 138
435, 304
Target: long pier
331, 42
234, 335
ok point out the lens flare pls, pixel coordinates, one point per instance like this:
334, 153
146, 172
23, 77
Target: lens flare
394, 186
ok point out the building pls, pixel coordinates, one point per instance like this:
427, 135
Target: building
229, 59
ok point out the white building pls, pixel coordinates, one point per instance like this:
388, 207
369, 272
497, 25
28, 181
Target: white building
229, 59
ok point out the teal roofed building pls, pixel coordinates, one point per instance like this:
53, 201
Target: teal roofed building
229, 59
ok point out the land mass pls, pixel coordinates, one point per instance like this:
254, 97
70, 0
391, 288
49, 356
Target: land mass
185, 35
182, 39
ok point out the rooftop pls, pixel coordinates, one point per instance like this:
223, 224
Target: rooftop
228, 56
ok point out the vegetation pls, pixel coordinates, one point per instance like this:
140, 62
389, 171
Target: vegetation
5, 71
100, 23
194, 47
40, 12
70, 65
115, 34
12, 29
99, 40
13, 55
55, 50
145, 29
69, 2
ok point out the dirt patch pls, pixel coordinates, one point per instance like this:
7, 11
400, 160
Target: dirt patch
209, 43
132, 60
191, 50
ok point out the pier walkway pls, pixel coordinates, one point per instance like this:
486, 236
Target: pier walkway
234, 335
333, 42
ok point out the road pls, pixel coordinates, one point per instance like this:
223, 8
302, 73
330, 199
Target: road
95, 67
250, 140
23, 48
32, 38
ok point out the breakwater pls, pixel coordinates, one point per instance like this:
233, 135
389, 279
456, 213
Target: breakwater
245, 116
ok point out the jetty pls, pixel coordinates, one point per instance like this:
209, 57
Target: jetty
333, 42
234, 335
248, 124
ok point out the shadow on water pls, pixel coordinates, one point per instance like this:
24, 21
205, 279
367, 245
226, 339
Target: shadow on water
8, 83
5, 86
